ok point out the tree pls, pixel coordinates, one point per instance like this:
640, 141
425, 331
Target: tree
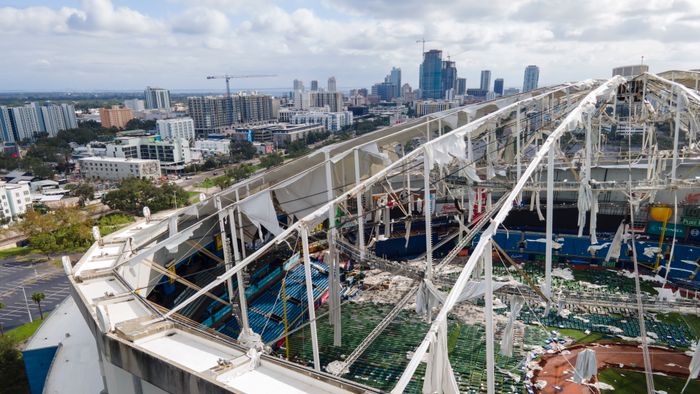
38, 297
222, 181
240, 172
297, 148
241, 150
271, 160
12, 373
140, 124
84, 191
65, 229
133, 194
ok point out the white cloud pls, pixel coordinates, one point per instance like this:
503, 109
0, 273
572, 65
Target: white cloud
200, 20
357, 41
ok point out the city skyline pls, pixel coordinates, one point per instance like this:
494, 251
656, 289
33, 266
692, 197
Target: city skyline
82, 45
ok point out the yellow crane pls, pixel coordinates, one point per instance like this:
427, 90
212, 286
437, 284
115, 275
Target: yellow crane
228, 77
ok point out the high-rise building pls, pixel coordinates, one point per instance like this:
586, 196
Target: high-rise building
331, 85
25, 122
298, 85
498, 86
531, 78
157, 98
394, 78
253, 108
430, 82
115, 117
314, 85
302, 100
407, 93
52, 118
334, 100
385, 90
28, 121
135, 104
176, 128
449, 79
69, 116
39, 116
214, 113
485, 80
461, 86
6, 130
210, 113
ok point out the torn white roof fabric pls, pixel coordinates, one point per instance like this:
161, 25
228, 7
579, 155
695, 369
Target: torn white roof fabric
260, 210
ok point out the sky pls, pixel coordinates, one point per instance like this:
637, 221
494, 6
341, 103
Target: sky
63, 45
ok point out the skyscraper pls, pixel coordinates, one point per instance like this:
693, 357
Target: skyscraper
498, 86
210, 113
298, 85
394, 78
253, 107
461, 86
314, 85
430, 82
6, 132
384, 90
449, 79
485, 80
331, 84
531, 78
157, 98
25, 122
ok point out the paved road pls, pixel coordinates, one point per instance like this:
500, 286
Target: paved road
34, 277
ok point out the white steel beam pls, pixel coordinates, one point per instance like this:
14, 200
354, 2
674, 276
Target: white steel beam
573, 118
310, 296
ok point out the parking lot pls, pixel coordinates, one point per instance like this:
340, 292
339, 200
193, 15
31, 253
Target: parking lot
18, 278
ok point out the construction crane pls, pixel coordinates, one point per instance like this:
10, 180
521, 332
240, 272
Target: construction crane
423, 41
228, 77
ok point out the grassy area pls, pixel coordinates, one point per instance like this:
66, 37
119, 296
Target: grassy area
14, 252
577, 335
113, 222
692, 321
23, 332
193, 197
205, 184
632, 382
453, 336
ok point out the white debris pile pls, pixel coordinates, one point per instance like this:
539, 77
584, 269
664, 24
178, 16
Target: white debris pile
613, 329
604, 386
381, 287
648, 278
650, 340
564, 273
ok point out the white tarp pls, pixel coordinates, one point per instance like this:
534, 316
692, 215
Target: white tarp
616, 245
694, 366
439, 377
260, 210
585, 201
516, 304
444, 150
429, 296
586, 366
370, 159
303, 194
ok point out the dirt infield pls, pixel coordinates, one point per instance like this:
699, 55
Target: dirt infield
557, 368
